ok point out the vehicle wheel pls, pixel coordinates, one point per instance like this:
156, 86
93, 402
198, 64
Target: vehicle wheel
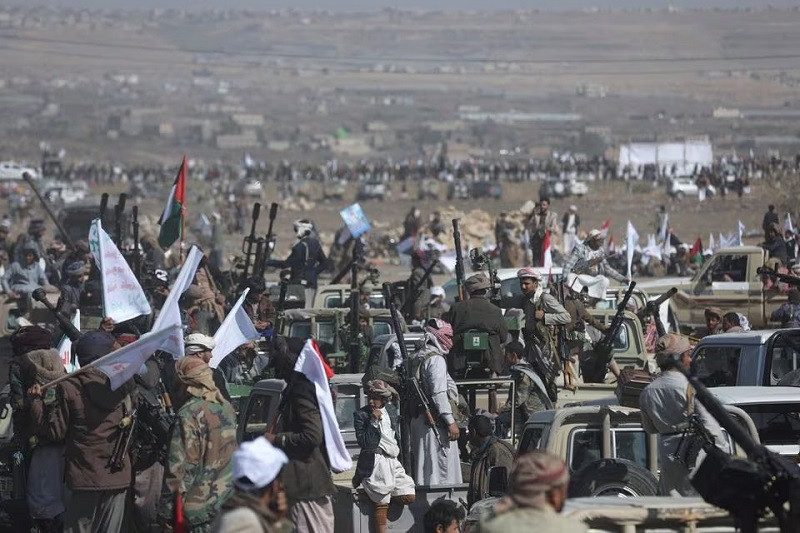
613, 477
679, 195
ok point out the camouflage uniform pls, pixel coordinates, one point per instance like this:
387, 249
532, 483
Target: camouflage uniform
199, 462
528, 398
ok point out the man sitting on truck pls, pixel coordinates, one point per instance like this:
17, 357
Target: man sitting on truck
379, 472
487, 452
530, 395
788, 314
713, 317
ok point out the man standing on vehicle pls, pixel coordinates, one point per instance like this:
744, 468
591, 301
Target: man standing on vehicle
306, 259
537, 490
542, 312
487, 452
530, 393
713, 317
667, 404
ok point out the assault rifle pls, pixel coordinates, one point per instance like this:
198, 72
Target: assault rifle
123, 443
459, 261
746, 487
603, 348
419, 394
247, 243
562, 344
772, 273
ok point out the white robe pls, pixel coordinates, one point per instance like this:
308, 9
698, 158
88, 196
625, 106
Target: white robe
432, 464
388, 478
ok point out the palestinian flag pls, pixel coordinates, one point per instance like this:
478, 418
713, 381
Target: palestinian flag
172, 218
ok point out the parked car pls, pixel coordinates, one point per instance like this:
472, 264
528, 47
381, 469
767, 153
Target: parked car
372, 190
9, 170
477, 190
681, 187
250, 187
559, 188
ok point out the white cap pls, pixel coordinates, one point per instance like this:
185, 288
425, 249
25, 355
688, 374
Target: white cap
256, 464
197, 342
437, 291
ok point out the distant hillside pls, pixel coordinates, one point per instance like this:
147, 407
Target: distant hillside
360, 5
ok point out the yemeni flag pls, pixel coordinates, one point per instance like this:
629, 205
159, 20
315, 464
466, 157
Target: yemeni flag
175, 209
547, 255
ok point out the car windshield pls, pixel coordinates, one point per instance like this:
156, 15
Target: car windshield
776, 423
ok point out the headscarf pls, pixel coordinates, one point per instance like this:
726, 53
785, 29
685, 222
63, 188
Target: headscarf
442, 332
28, 338
380, 388
93, 345
533, 475
198, 379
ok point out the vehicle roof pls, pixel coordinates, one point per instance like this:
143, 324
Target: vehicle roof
329, 312
346, 287
547, 416
508, 273
755, 395
759, 336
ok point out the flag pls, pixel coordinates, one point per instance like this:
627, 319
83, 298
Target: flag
171, 221
611, 248
310, 364
711, 244
235, 330
630, 247
547, 255
123, 297
605, 227
741, 232
787, 223
664, 229
697, 247
122, 364
170, 312
65, 347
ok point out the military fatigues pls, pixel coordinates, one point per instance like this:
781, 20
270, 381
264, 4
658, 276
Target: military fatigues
580, 262
199, 462
478, 313
530, 396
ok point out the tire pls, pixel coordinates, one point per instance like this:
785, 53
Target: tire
613, 477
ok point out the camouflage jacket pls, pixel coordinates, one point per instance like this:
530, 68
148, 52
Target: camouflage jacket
199, 462
526, 393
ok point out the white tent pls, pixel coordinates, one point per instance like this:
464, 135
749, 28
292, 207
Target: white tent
684, 156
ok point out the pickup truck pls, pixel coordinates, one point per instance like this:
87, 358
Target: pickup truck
728, 280
762, 357
338, 295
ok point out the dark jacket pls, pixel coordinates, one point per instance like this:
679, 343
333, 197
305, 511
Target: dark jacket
306, 261
478, 313
36, 366
307, 476
368, 438
494, 452
86, 415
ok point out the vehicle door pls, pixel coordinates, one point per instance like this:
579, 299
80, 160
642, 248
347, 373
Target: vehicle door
719, 366
782, 357
723, 282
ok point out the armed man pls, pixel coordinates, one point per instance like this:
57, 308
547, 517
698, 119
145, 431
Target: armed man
479, 314
530, 393
589, 262
541, 221
306, 260
542, 312
667, 405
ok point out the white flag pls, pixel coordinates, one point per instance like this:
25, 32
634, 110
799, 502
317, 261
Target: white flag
741, 232
121, 365
787, 223
170, 314
631, 244
235, 330
309, 363
123, 297
664, 229
65, 346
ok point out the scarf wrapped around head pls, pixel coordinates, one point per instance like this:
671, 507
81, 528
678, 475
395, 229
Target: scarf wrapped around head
380, 388
198, 379
442, 332
533, 475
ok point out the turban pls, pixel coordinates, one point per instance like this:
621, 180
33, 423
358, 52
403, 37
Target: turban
29, 338
380, 388
671, 346
532, 476
198, 379
477, 282
256, 464
442, 332
528, 272
93, 345
197, 342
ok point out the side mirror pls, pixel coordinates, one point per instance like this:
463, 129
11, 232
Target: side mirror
498, 481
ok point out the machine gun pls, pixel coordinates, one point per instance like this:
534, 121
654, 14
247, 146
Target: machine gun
459, 261
247, 243
269, 242
103, 205
481, 261
604, 347
66, 325
772, 273
562, 344
412, 291
408, 377
137, 256
652, 309
67, 239
119, 211
746, 487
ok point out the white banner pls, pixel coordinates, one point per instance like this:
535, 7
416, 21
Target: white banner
65, 347
170, 314
123, 297
632, 243
121, 365
235, 330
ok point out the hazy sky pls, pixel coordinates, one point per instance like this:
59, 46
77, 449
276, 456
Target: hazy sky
366, 5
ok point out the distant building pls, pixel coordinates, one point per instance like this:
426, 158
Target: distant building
726, 113
246, 139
